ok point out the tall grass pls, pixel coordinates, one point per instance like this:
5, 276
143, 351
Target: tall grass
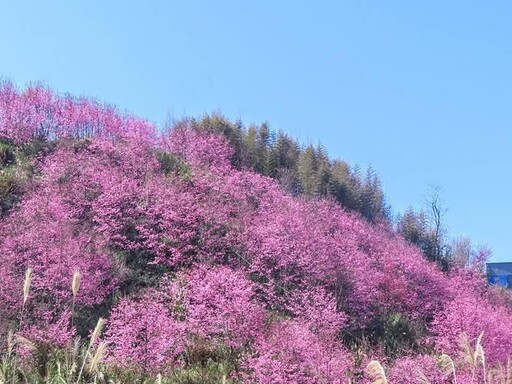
376, 372
84, 362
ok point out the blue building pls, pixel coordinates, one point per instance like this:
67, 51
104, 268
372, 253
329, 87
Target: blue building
500, 274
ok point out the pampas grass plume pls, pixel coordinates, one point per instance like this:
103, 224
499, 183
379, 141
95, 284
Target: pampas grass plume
98, 356
97, 330
376, 372
75, 286
26, 284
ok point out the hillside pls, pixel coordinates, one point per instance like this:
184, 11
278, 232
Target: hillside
207, 267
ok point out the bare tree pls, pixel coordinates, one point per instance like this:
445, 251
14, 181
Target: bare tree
438, 250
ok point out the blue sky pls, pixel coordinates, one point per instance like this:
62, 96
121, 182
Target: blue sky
422, 91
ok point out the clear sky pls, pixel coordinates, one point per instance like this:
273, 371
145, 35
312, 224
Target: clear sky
422, 91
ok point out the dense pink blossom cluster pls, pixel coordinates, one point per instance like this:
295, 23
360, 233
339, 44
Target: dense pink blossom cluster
142, 335
42, 234
49, 330
39, 113
299, 244
221, 307
412, 370
237, 262
198, 149
214, 305
469, 312
288, 352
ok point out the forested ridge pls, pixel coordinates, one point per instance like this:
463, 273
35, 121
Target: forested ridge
299, 169
308, 171
207, 251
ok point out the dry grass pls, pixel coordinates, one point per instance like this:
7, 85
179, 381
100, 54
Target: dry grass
75, 284
26, 284
376, 372
100, 349
448, 366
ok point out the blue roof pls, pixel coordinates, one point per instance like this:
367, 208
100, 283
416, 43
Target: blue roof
500, 274
499, 268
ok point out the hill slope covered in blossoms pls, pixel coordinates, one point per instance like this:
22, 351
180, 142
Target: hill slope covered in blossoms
207, 272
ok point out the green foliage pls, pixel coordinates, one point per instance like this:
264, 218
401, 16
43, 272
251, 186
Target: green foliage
206, 363
212, 372
395, 333
345, 184
399, 335
8, 189
428, 235
16, 171
372, 197
63, 365
140, 271
6, 154
170, 164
